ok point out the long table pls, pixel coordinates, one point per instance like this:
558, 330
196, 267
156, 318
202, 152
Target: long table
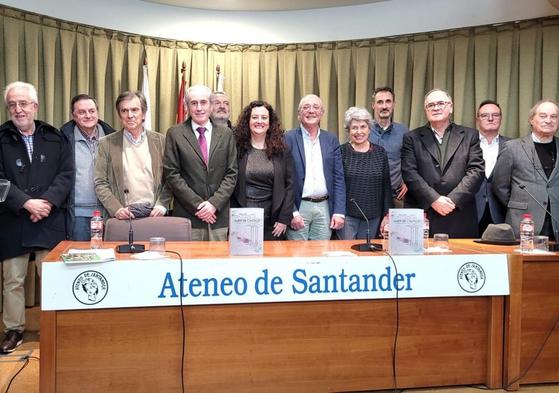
321, 346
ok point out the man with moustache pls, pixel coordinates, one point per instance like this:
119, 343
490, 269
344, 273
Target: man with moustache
318, 176
221, 113
389, 134
488, 119
83, 132
129, 178
527, 166
36, 158
442, 165
200, 166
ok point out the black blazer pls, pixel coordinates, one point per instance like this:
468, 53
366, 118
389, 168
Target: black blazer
282, 192
486, 195
459, 178
48, 176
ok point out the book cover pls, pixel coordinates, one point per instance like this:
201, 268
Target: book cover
246, 231
406, 231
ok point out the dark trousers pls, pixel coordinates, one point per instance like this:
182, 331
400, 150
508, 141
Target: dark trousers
485, 220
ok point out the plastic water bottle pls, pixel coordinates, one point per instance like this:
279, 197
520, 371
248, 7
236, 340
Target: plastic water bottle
385, 231
526, 233
425, 231
96, 227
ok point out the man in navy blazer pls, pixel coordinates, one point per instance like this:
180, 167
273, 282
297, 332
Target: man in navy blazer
319, 185
489, 209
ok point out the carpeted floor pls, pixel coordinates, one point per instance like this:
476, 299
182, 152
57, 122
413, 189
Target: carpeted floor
26, 359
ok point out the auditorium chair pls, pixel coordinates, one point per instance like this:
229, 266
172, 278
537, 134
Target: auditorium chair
171, 228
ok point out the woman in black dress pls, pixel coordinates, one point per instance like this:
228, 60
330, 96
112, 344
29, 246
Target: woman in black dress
265, 177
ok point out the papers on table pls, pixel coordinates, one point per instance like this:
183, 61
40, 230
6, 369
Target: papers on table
75, 256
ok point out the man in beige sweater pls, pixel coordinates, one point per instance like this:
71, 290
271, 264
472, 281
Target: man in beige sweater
128, 167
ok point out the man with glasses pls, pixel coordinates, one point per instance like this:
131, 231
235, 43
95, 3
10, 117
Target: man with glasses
527, 169
488, 119
442, 165
129, 178
83, 132
36, 158
318, 180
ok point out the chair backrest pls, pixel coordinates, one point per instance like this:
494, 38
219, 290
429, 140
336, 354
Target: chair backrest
171, 228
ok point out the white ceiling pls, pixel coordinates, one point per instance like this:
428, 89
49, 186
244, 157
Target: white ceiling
372, 19
262, 5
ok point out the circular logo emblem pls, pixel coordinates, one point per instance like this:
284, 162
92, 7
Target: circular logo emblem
90, 287
471, 277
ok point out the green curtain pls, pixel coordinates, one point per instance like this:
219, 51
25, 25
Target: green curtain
514, 63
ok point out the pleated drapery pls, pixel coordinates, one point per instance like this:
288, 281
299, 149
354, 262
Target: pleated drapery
513, 63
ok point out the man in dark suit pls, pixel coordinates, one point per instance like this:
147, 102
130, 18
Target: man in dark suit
442, 164
527, 166
36, 158
488, 119
319, 185
200, 165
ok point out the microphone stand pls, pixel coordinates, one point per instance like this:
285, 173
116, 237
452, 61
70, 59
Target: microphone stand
367, 246
130, 248
552, 247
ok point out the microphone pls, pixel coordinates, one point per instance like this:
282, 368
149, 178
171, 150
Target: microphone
554, 247
367, 246
129, 248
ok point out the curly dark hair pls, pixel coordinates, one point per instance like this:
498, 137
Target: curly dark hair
275, 144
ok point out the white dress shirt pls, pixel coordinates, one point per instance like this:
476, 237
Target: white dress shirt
490, 153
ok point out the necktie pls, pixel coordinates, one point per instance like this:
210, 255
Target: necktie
203, 143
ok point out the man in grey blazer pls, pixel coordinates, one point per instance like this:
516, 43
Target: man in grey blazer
128, 165
527, 166
442, 165
200, 165
488, 119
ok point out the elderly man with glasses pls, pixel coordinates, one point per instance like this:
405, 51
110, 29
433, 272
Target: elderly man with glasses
442, 165
319, 185
36, 158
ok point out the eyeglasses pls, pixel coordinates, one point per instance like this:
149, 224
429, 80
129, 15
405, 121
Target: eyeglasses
486, 116
440, 104
308, 107
12, 105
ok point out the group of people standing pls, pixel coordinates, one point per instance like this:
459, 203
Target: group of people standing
309, 186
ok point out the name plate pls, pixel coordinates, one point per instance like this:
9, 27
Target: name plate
153, 283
